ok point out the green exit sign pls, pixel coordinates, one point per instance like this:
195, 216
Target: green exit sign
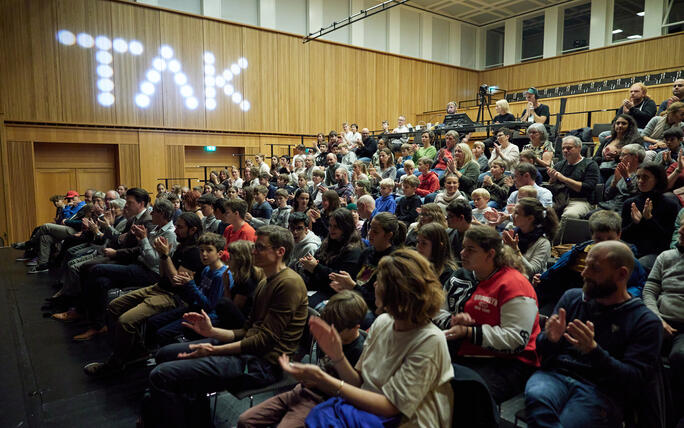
209, 148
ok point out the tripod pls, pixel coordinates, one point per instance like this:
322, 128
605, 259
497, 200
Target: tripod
485, 99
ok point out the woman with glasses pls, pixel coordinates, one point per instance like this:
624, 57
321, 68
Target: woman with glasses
540, 145
649, 217
504, 150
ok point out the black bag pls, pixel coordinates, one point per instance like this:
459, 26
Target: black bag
561, 197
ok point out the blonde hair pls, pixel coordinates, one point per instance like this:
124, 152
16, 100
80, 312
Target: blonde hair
409, 163
412, 181
408, 287
387, 182
529, 191
503, 105
467, 153
483, 193
479, 144
435, 211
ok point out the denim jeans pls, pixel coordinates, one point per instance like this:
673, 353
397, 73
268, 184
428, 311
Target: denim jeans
559, 401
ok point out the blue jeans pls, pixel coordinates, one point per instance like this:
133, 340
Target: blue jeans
439, 172
555, 400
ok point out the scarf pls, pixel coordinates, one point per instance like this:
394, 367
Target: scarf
527, 239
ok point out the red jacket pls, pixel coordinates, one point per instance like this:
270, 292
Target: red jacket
246, 233
429, 183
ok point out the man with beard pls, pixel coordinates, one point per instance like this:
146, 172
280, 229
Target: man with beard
599, 349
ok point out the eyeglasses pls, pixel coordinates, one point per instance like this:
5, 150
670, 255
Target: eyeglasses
258, 246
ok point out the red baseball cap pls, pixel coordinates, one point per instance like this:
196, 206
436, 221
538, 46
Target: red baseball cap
71, 194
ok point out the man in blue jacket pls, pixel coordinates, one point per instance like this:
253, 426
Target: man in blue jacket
565, 273
599, 349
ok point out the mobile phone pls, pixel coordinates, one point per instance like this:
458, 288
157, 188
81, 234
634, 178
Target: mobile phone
101, 216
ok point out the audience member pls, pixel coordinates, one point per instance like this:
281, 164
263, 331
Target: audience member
573, 180
638, 105
136, 266
408, 204
663, 295
491, 311
677, 95
524, 175
599, 349
672, 118
401, 128
340, 251
623, 132
674, 143
367, 148
209, 221
319, 218
429, 181
385, 202
450, 192
565, 273
445, 154
497, 184
459, 217
365, 206
344, 188
429, 213
504, 150
503, 112
480, 198
479, 156
427, 149
464, 167
302, 201
382, 386
344, 312
333, 166
647, 218
305, 241
540, 145
535, 111
386, 168
233, 212
535, 228
280, 215
433, 244
240, 358
622, 184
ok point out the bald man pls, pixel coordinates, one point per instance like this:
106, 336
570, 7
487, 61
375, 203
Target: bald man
368, 147
677, 95
598, 350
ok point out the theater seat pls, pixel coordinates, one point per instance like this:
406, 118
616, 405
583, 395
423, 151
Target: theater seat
574, 231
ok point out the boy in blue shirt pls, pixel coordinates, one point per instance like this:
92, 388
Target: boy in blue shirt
385, 202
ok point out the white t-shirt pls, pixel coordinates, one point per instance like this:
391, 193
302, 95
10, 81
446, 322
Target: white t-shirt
412, 369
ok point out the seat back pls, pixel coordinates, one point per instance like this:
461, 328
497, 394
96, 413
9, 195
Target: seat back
598, 128
574, 231
305, 343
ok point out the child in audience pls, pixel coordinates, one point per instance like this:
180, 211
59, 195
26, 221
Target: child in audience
409, 167
261, 209
348, 158
362, 187
232, 192
404, 370
407, 207
359, 171
218, 190
479, 156
302, 183
317, 188
429, 181
209, 222
450, 191
344, 311
264, 181
406, 155
280, 215
433, 244
385, 202
283, 182
480, 199
497, 184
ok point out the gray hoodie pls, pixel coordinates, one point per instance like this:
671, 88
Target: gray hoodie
308, 245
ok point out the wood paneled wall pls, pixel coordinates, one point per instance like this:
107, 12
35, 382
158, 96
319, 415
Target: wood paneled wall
292, 87
22, 208
626, 59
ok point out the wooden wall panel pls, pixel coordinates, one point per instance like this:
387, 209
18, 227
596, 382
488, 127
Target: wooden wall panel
141, 24
52, 181
61, 155
5, 216
152, 159
225, 42
196, 158
30, 79
21, 170
77, 66
175, 161
185, 35
129, 165
620, 60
